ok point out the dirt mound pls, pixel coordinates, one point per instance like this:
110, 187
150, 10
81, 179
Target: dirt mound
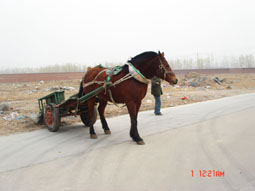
194, 79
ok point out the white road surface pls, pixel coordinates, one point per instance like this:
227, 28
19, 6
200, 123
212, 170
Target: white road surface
217, 135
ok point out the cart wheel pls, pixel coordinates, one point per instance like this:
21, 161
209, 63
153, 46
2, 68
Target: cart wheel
85, 117
51, 117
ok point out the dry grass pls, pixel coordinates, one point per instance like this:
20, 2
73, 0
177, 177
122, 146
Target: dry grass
22, 98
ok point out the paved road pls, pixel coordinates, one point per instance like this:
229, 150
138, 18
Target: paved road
214, 135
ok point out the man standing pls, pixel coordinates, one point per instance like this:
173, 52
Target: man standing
156, 91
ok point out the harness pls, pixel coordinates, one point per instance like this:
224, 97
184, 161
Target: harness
133, 73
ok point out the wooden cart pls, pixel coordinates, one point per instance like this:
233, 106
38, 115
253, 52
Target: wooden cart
54, 106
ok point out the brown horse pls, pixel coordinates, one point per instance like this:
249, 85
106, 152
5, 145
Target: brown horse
130, 92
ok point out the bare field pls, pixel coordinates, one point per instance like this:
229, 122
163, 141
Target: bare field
22, 97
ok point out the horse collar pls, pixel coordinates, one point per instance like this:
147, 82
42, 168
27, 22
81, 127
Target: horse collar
137, 74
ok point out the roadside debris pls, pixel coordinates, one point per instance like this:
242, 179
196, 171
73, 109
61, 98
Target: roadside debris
195, 84
4, 107
15, 116
34, 117
50, 89
168, 96
25, 86
196, 80
55, 88
30, 92
219, 81
184, 98
19, 117
11, 116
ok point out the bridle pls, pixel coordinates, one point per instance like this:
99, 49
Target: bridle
162, 68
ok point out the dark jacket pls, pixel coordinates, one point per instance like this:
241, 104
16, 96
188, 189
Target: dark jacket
156, 89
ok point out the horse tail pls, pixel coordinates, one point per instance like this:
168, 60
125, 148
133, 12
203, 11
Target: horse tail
80, 94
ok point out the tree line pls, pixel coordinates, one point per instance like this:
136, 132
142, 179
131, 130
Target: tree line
184, 62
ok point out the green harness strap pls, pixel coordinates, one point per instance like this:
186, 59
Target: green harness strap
113, 71
117, 69
137, 71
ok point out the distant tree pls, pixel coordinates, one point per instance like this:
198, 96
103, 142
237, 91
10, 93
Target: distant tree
247, 61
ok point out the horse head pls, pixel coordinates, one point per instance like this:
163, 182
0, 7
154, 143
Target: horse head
164, 70
154, 64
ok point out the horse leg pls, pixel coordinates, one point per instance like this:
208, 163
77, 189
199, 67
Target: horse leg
133, 108
101, 108
91, 103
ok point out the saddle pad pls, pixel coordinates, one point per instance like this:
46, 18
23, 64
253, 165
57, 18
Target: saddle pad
114, 71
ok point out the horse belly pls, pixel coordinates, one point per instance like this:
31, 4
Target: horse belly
129, 90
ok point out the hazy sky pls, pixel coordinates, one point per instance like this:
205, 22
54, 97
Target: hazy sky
45, 32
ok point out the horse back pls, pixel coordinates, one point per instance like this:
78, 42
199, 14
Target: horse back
126, 91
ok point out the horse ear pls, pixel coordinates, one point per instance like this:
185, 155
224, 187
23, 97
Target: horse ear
163, 54
159, 52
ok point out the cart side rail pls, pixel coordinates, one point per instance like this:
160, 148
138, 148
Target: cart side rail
55, 97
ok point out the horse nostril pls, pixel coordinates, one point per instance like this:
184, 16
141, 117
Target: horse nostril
173, 81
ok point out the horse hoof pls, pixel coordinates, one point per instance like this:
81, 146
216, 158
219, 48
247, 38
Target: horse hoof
93, 136
107, 132
140, 142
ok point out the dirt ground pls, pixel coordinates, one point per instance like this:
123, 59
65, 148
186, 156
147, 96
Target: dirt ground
21, 98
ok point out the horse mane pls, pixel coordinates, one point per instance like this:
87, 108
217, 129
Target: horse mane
143, 57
